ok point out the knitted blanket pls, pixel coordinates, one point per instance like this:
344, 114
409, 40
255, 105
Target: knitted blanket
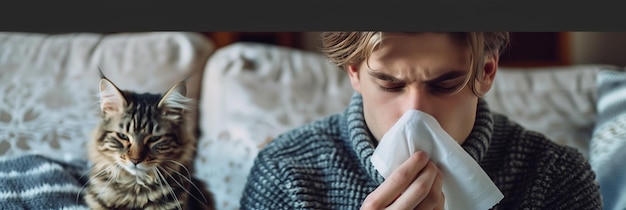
38, 182
609, 139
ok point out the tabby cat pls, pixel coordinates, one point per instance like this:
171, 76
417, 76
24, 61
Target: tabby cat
142, 152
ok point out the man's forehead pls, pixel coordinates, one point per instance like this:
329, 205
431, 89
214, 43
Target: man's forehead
417, 75
424, 68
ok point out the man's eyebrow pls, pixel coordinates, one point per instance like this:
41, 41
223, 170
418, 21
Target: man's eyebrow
447, 76
384, 77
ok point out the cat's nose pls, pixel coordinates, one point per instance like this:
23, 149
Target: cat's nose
135, 161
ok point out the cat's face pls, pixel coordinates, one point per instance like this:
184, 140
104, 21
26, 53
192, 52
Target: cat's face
141, 132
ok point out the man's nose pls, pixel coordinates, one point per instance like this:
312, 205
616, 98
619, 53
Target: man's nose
419, 99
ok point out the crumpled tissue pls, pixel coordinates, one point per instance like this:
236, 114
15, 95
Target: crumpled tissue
465, 184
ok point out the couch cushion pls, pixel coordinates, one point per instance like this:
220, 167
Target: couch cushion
608, 144
251, 93
49, 83
556, 101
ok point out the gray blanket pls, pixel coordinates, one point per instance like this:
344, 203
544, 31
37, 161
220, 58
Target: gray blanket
38, 182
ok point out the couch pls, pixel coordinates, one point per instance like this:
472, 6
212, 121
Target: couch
247, 93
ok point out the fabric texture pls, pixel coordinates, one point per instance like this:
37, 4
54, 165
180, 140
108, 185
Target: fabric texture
326, 165
608, 143
34, 181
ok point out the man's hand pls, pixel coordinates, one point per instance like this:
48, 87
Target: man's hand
416, 184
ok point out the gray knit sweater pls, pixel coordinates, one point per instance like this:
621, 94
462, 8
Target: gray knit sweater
326, 165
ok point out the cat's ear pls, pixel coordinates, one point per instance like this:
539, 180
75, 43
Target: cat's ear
111, 98
174, 100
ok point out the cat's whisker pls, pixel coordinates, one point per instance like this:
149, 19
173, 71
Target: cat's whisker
159, 179
102, 172
116, 175
190, 182
170, 189
181, 185
87, 172
182, 166
155, 177
88, 181
106, 185
79, 192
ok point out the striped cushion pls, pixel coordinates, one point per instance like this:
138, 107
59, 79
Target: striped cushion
34, 181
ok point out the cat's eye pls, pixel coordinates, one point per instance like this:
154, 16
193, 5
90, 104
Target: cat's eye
153, 139
122, 136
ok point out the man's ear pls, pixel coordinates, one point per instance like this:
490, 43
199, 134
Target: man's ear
355, 80
490, 67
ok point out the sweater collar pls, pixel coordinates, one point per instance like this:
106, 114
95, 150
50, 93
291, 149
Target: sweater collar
363, 142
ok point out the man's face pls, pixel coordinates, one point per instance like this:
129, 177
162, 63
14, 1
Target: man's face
420, 72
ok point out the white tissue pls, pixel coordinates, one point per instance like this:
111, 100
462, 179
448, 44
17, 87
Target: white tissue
465, 184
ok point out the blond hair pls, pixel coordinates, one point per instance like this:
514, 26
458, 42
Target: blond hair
351, 48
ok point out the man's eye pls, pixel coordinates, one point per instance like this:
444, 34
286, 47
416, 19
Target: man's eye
444, 88
391, 89
122, 136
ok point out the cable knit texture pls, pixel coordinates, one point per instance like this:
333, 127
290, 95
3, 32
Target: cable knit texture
326, 165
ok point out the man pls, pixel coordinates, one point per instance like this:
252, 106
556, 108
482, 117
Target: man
326, 164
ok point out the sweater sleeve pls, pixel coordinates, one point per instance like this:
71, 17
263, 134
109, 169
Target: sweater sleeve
265, 188
574, 184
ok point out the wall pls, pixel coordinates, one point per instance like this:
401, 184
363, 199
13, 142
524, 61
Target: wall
311, 41
599, 47
587, 47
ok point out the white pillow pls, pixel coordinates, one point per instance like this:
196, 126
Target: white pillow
251, 93
556, 101
48, 83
